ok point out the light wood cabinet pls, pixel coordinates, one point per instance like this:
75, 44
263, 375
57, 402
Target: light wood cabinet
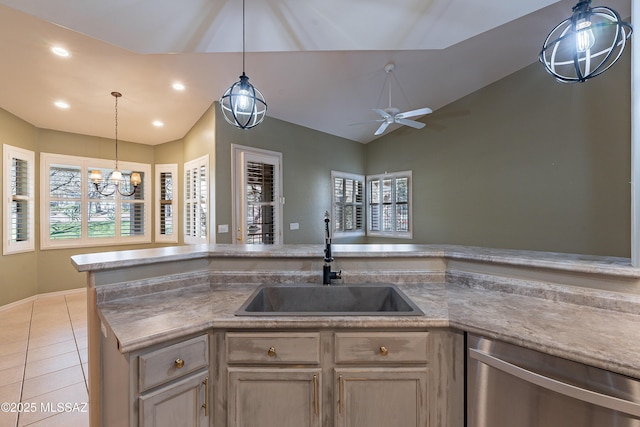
288, 397
179, 404
326, 378
389, 386
166, 385
273, 379
390, 397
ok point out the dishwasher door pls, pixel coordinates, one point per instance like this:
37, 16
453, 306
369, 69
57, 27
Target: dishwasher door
510, 386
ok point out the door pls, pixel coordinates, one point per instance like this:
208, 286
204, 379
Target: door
259, 397
183, 403
389, 397
257, 196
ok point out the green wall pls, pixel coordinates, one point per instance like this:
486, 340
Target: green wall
308, 158
525, 163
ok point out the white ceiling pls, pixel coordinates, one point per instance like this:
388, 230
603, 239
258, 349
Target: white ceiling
319, 63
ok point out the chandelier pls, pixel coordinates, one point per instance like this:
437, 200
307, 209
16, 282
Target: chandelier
243, 105
114, 181
586, 44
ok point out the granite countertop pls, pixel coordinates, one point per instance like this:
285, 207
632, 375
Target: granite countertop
614, 266
600, 337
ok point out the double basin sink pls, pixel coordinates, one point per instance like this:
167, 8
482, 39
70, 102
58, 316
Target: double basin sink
336, 300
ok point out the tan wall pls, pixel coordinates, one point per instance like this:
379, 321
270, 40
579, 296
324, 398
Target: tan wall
525, 163
55, 272
18, 272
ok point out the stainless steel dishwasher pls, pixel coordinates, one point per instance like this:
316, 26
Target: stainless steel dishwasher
510, 386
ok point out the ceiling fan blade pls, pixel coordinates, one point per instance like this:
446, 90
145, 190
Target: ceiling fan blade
382, 113
413, 113
382, 128
367, 122
411, 123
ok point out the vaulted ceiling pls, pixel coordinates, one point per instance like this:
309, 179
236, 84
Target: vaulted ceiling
319, 63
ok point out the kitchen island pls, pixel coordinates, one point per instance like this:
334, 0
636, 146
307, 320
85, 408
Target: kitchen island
581, 308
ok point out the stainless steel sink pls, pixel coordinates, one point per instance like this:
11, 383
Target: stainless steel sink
335, 300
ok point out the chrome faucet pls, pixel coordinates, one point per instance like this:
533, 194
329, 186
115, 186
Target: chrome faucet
327, 274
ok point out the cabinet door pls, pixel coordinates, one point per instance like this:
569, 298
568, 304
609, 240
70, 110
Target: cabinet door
184, 403
389, 397
259, 397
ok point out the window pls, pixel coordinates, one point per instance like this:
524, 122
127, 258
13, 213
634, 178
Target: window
389, 197
196, 200
166, 203
18, 167
348, 204
75, 214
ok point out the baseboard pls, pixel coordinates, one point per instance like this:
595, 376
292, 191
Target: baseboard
42, 296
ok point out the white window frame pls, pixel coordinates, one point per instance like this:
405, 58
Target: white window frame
392, 233
10, 246
84, 163
198, 233
172, 237
334, 204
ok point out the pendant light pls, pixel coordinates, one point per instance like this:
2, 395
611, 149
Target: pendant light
586, 44
114, 182
243, 105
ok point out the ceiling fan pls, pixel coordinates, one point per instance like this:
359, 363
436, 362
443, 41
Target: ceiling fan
391, 115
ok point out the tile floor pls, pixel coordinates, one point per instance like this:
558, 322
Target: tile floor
43, 362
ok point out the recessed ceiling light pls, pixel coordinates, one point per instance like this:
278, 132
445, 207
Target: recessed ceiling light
60, 51
177, 86
158, 123
61, 104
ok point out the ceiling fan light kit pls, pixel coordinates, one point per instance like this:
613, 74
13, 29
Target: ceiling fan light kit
586, 44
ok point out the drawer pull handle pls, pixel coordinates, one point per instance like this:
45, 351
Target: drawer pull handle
206, 397
316, 409
340, 392
271, 352
179, 363
384, 350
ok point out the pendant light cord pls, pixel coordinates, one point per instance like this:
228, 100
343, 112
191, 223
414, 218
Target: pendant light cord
116, 131
243, 38
116, 95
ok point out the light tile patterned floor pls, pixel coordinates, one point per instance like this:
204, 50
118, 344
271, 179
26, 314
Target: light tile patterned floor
43, 362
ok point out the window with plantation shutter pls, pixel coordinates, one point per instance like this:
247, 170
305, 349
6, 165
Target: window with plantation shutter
347, 204
18, 178
196, 201
389, 200
75, 214
166, 203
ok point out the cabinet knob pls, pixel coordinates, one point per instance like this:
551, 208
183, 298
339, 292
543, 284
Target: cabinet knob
271, 352
384, 350
179, 363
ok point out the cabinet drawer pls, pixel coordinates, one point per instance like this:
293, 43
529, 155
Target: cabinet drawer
395, 347
174, 361
288, 348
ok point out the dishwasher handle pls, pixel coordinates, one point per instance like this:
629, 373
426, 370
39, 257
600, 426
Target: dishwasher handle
560, 387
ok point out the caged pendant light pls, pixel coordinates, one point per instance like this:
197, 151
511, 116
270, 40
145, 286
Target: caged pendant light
114, 182
243, 105
586, 44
